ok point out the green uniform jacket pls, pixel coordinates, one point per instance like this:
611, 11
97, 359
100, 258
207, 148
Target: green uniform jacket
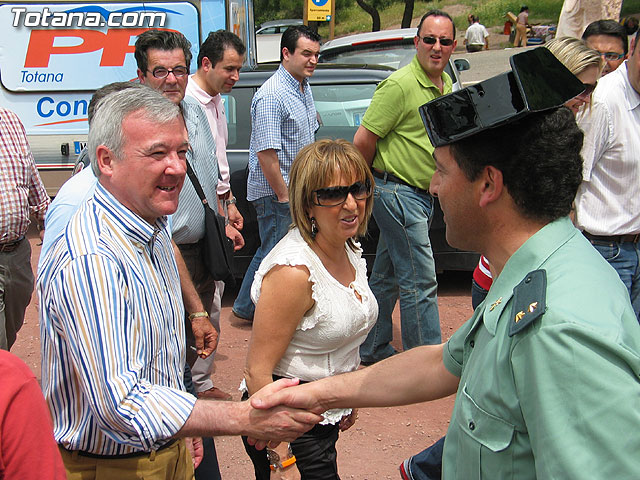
555, 394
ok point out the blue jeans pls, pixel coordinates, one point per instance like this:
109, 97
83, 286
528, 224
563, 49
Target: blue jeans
427, 465
274, 219
404, 268
625, 258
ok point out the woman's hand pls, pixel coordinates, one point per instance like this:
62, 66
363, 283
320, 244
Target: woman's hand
348, 420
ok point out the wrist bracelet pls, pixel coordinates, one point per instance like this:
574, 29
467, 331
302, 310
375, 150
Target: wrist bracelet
284, 464
230, 201
197, 315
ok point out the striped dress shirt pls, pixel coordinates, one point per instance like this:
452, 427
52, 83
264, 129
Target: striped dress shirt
111, 323
283, 118
188, 221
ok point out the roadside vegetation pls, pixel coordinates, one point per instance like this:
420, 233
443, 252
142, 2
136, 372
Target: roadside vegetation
351, 18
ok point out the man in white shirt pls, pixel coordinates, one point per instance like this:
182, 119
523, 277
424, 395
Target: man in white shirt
477, 36
608, 200
219, 61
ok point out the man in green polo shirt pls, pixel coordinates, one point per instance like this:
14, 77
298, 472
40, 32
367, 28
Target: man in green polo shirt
391, 138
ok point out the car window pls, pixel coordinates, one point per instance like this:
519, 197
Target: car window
341, 108
395, 56
269, 30
237, 105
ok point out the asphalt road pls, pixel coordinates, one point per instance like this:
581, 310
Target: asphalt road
486, 64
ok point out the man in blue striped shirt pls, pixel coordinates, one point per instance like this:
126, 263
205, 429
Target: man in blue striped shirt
283, 120
113, 345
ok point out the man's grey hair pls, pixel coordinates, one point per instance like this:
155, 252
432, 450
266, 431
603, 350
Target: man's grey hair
106, 127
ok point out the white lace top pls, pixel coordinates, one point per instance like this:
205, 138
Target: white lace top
327, 339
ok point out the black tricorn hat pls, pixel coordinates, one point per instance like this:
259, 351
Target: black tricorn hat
537, 82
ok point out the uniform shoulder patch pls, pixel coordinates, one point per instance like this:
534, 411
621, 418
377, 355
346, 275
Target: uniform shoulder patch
529, 301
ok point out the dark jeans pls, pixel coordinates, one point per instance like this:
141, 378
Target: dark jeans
315, 451
478, 294
427, 465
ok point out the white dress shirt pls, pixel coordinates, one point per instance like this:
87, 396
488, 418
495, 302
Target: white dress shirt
608, 200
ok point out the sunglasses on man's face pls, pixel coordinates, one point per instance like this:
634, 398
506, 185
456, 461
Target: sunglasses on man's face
445, 42
334, 196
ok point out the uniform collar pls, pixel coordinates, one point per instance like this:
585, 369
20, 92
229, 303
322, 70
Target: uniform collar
131, 224
425, 81
530, 256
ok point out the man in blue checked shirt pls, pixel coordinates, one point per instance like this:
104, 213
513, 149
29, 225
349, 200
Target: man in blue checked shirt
283, 119
113, 345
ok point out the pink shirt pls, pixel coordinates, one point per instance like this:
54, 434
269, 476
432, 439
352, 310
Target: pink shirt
214, 108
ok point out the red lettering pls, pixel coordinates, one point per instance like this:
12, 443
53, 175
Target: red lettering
41, 45
117, 46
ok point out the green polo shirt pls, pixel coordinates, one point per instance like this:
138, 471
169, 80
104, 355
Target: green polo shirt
404, 148
559, 399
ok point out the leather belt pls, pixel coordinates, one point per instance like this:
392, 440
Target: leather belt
390, 177
631, 238
10, 246
123, 455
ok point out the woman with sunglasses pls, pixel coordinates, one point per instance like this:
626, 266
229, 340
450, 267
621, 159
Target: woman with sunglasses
313, 303
584, 62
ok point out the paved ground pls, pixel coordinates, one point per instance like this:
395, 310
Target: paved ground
372, 448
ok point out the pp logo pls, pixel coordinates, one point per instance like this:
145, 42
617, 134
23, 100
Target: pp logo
320, 3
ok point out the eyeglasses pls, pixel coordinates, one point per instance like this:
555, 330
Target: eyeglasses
611, 56
588, 89
161, 72
445, 42
334, 196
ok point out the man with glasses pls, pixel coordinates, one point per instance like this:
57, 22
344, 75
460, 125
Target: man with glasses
610, 39
163, 59
608, 200
392, 140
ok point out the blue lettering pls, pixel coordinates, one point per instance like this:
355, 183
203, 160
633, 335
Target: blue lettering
40, 106
63, 108
41, 77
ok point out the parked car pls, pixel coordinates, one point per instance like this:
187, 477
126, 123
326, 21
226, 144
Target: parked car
391, 48
277, 26
268, 39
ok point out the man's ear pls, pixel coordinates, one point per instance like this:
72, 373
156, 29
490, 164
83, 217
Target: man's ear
492, 185
206, 64
140, 75
285, 53
105, 159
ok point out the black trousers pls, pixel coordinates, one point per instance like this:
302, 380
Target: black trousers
315, 451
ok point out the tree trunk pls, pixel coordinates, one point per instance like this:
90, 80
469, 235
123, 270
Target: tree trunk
373, 11
408, 13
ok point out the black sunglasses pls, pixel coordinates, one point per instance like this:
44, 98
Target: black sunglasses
334, 196
445, 42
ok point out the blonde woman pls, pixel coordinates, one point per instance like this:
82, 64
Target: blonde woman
584, 62
313, 303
